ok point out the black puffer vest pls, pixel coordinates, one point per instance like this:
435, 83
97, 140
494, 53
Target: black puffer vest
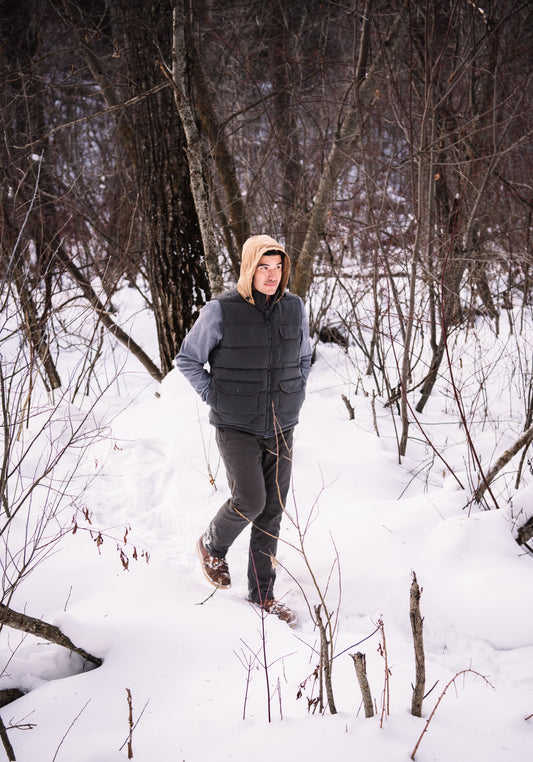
257, 385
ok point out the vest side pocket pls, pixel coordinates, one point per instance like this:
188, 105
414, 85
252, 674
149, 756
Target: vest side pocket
236, 396
291, 396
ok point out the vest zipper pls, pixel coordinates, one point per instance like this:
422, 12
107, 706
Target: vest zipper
269, 373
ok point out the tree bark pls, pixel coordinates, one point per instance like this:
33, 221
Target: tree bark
360, 671
177, 275
8, 695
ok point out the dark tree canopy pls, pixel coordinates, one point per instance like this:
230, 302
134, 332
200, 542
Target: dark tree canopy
359, 134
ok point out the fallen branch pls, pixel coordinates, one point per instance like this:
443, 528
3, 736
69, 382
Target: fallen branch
525, 533
41, 629
523, 441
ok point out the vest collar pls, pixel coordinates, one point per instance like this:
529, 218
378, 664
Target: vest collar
261, 302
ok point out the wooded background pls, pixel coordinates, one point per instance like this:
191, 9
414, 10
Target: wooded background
387, 144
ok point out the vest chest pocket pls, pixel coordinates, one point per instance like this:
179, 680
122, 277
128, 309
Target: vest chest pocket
235, 396
289, 331
245, 335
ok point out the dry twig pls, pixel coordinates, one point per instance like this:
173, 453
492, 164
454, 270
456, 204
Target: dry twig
451, 682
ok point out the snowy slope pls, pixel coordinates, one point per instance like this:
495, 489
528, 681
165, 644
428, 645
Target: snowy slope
194, 662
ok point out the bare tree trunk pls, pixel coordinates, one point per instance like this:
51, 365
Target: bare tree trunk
8, 695
326, 661
347, 137
418, 640
360, 670
236, 214
462, 184
35, 330
284, 24
182, 80
424, 190
78, 19
33, 325
151, 131
23, 213
177, 274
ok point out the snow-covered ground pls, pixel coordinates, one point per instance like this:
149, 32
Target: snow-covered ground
193, 662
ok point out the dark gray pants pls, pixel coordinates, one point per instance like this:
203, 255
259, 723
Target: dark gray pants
259, 473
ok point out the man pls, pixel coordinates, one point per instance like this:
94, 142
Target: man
256, 340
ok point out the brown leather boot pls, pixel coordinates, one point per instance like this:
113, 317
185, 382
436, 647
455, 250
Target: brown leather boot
283, 612
215, 569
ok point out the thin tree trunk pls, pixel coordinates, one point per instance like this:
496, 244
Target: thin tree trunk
77, 18
285, 68
224, 161
406, 357
326, 661
429, 381
418, 640
182, 80
151, 131
34, 328
347, 137
6, 743
360, 671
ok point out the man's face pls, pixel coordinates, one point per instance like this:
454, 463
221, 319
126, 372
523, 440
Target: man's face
268, 274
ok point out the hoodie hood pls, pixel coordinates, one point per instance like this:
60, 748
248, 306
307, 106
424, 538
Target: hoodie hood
252, 251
